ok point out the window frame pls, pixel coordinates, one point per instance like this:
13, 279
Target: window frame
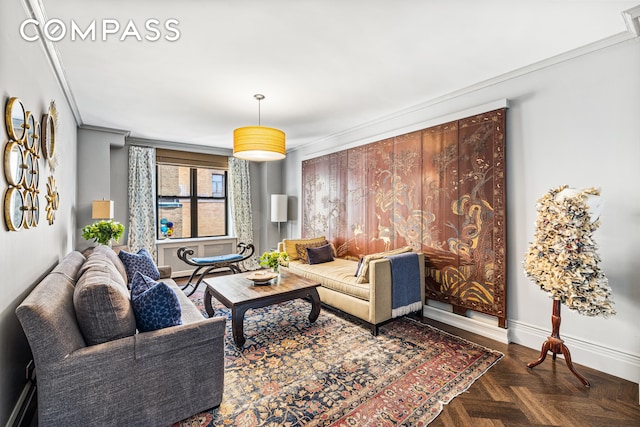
193, 199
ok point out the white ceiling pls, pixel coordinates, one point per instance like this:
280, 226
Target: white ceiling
324, 66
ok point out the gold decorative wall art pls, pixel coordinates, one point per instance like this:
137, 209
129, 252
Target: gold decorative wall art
440, 190
21, 162
53, 199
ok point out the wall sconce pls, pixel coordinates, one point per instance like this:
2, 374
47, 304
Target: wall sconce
102, 209
278, 209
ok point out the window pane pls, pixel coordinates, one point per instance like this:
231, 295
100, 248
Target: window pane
211, 218
173, 181
177, 205
174, 218
211, 183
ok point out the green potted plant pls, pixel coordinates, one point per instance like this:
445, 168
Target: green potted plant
274, 260
103, 231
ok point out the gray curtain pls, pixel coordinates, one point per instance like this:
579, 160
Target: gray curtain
142, 199
240, 200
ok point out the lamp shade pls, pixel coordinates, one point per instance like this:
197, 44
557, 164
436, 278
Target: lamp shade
259, 143
102, 209
278, 208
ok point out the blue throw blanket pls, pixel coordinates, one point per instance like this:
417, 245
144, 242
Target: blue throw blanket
405, 284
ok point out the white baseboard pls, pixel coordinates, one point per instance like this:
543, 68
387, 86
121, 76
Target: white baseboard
593, 355
477, 327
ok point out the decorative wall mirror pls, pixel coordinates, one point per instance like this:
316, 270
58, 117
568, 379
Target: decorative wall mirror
28, 171
14, 163
48, 136
35, 209
15, 118
32, 171
13, 209
28, 209
32, 137
27, 136
36, 139
35, 171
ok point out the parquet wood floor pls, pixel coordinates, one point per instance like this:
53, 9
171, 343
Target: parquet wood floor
510, 394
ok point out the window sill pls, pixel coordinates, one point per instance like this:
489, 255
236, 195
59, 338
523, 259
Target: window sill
161, 242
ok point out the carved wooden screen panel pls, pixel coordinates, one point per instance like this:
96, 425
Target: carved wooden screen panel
481, 211
407, 190
379, 177
323, 195
355, 241
440, 190
440, 170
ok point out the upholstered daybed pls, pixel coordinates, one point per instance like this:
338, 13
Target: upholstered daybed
366, 296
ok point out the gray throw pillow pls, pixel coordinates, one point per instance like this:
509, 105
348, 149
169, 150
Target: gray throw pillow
320, 255
102, 307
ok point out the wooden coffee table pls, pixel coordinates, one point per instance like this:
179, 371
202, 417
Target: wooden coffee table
239, 294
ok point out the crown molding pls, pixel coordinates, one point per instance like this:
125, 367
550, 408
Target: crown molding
371, 133
632, 19
122, 132
172, 145
351, 135
35, 10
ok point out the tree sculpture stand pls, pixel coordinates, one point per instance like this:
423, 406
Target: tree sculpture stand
556, 345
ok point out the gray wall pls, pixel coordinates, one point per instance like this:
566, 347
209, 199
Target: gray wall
94, 166
26, 255
266, 179
575, 122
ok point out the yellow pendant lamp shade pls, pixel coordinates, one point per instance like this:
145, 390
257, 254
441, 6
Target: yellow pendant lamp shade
259, 143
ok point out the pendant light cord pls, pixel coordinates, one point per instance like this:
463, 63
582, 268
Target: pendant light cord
259, 97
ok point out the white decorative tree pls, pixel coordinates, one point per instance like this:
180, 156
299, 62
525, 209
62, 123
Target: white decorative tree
563, 261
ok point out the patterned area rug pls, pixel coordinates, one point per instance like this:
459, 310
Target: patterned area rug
335, 373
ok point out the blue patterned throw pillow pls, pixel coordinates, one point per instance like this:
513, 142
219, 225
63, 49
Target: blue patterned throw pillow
156, 307
141, 283
140, 262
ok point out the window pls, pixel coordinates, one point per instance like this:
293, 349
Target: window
218, 185
192, 199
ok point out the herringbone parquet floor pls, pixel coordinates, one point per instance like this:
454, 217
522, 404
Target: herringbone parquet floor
510, 394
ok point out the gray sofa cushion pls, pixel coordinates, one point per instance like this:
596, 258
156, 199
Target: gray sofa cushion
102, 306
111, 256
103, 263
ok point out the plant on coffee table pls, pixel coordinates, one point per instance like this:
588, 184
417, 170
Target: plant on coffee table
274, 260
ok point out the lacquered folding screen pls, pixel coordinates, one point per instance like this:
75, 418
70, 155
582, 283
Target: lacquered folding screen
440, 190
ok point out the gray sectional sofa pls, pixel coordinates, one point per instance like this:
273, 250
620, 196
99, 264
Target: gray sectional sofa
151, 378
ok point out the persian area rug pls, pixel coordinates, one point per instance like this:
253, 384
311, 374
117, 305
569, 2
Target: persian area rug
335, 373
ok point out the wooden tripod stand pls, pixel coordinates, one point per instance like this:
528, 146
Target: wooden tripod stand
556, 345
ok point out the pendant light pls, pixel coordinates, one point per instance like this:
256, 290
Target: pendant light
259, 143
